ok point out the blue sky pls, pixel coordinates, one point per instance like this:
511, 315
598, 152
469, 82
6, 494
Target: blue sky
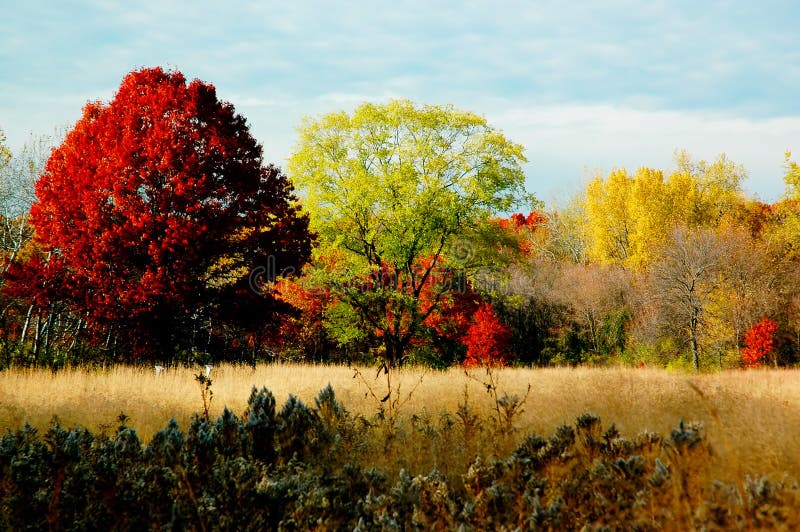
585, 86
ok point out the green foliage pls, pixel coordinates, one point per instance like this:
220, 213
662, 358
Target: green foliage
390, 182
391, 189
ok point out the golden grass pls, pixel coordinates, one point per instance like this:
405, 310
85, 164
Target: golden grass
752, 417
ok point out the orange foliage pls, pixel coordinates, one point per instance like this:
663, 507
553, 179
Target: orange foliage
526, 227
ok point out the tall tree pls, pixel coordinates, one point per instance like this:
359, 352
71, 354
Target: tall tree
155, 209
395, 183
688, 273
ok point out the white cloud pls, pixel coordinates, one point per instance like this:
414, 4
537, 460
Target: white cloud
603, 137
598, 73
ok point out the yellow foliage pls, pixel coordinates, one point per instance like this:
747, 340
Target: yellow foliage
629, 218
792, 177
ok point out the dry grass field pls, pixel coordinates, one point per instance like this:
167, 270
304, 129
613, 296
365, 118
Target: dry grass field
752, 418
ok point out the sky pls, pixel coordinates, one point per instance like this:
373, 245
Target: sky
585, 86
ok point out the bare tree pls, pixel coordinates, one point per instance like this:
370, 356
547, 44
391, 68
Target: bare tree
691, 268
17, 193
592, 292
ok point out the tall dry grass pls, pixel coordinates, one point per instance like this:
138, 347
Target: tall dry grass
752, 417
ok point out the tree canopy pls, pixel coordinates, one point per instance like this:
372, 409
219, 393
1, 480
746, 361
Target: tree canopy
628, 218
395, 187
154, 210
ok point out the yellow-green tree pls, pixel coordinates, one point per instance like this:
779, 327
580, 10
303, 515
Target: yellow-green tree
782, 225
792, 177
703, 193
397, 186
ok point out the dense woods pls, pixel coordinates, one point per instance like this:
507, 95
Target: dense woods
154, 231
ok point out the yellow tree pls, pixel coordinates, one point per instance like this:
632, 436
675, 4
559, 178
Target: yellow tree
782, 227
609, 220
704, 193
629, 218
792, 177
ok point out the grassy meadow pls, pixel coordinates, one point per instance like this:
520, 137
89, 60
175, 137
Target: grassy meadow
752, 418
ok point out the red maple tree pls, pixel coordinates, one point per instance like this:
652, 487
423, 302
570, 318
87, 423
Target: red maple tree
759, 342
487, 339
154, 210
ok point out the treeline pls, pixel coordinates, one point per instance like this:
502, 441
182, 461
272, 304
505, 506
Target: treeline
678, 268
674, 268
156, 232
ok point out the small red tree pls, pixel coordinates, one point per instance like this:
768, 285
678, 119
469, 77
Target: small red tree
487, 339
758, 342
156, 208
449, 312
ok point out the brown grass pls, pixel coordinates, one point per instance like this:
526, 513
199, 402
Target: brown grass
752, 417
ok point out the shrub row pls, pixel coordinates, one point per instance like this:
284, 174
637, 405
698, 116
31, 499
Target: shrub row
303, 467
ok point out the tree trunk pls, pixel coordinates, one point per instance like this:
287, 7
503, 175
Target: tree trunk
693, 340
25, 327
37, 339
390, 354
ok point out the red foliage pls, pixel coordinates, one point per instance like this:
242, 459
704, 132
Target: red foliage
155, 207
759, 342
302, 332
37, 281
451, 314
487, 339
444, 303
519, 222
524, 227
756, 216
